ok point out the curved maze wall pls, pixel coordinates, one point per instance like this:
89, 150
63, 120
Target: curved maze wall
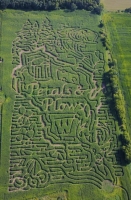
62, 131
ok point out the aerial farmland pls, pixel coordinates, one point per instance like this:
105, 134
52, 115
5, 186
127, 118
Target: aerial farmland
65, 106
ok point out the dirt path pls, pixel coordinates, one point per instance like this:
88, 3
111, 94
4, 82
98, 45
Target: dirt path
36, 49
20, 65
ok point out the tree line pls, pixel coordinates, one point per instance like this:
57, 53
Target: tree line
128, 10
119, 105
90, 5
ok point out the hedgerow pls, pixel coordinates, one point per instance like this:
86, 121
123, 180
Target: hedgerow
91, 5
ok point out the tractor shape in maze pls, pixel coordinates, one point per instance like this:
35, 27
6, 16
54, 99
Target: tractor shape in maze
62, 130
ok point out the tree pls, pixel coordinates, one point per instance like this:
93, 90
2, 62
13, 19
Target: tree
90, 8
98, 9
126, 138
101, 24
128, 10
52, 4
57, 6
4, 4
127, 152
73, 7
98, 1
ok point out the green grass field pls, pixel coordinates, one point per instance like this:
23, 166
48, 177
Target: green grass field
118, 27
59, 139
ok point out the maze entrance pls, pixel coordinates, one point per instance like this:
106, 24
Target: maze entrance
62, 130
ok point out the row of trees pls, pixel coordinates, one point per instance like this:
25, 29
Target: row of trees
104, 37
128, 10
120, 108
90, 5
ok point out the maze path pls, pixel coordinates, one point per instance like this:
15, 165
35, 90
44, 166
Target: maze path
62, 131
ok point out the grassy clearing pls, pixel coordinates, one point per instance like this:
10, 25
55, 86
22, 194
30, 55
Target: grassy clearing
116, 5
58, 134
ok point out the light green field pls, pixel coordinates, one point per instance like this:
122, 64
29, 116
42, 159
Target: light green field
59, 139
114, 5
119, 30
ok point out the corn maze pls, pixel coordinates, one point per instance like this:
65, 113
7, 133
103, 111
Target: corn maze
62, 130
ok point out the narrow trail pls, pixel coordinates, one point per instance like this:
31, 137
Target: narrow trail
20, 65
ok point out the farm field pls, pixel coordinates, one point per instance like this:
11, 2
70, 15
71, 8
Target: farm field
114, 5
119, 30
59, 140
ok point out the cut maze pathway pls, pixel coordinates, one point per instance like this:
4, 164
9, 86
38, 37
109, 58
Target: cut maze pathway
62, 131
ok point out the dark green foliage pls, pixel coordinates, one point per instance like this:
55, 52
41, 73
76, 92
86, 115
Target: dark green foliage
127, 152
4, 3
128, 10
92, 5
73, 7
125, 138
98, 9
104, 39
101, 25
59, 198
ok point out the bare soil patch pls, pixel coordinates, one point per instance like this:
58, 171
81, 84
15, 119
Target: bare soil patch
114, 5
